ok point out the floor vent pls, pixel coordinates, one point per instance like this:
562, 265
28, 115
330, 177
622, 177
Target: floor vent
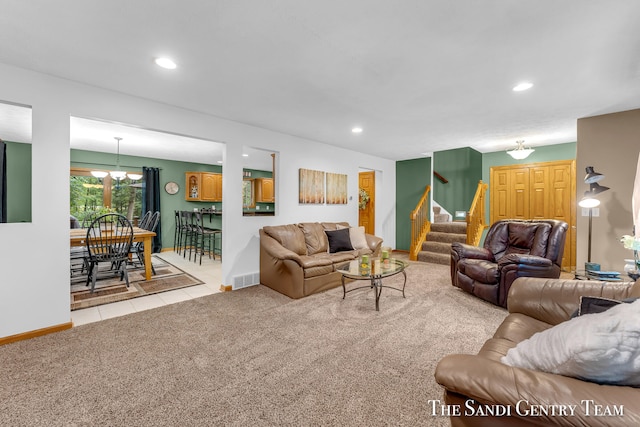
246, 280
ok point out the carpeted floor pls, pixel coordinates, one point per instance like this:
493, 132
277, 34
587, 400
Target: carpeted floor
112, 289
252, 357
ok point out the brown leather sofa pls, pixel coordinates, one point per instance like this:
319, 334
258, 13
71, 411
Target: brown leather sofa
511, 249
473, 381
295, 258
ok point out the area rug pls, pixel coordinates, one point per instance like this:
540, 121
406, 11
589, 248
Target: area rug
111, 289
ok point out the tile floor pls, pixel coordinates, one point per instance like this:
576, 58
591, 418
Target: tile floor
210, 272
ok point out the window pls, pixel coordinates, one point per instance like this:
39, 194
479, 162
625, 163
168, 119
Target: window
89, 194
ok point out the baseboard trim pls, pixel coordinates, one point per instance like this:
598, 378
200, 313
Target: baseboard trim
37, 333
227, 288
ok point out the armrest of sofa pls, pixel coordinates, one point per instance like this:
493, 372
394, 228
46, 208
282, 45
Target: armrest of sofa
554, 300
462, 250
275, 250
491, 382
374, 243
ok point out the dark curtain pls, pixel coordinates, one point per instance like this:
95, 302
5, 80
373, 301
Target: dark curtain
3, 183
151, 200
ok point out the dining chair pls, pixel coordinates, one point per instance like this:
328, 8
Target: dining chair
144, 221
109, 239
137, 248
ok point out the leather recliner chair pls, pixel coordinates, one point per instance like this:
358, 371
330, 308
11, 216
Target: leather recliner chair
512, 249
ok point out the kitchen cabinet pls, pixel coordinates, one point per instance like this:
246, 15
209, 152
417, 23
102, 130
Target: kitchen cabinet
264, 190
203, 187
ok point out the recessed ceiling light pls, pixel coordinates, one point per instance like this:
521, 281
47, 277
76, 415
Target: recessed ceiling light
356, 130
166, 63
220, 161
523, 86
245, 155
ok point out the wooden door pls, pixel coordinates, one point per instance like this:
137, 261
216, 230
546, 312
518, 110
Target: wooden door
518, 204
366, 217
537, 191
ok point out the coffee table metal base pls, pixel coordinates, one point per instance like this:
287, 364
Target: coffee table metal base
376, 285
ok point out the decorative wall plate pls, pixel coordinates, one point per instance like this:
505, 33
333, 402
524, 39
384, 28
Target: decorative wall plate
171, 187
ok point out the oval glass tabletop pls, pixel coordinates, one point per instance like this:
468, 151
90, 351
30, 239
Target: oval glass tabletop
377, 268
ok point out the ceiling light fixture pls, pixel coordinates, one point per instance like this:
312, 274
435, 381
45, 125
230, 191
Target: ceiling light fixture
356, 130
166, 63
117, 173
520, 152
522, 86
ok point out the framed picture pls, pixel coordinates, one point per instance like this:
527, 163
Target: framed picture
336, 188
311, 186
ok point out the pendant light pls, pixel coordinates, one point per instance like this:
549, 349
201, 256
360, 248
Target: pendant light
117, 174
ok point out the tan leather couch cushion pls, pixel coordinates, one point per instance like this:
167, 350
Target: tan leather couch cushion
635, 290
290, 236
334, 225
314, 237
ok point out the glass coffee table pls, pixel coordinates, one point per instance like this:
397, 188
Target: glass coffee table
376, 273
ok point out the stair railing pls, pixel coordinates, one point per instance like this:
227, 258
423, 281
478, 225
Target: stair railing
420, 224
476, 223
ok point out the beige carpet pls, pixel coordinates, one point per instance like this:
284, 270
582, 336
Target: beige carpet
251, 357
111, 289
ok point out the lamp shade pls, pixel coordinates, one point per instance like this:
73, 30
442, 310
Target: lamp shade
134, 176
592, 176
99, 174
118, 174
596, 188
520, 152
588, 201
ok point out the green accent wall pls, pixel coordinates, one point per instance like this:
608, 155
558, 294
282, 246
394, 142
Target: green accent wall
412, 177
169, 171
462, 168
18, 182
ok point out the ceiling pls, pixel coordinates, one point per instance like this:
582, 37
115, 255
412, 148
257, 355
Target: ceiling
418, 76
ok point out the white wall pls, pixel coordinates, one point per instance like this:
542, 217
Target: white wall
34, 283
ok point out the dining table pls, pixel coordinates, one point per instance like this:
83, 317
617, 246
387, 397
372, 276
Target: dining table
78, 237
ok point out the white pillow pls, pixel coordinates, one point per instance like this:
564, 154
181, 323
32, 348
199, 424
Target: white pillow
358, 238
601, 347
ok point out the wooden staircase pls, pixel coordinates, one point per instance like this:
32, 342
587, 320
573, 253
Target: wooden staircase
431, 242
436, 248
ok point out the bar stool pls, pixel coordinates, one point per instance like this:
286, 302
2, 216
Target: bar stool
205, 238
188, 231
177, 233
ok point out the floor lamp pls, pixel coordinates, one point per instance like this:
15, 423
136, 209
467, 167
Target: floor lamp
590, 201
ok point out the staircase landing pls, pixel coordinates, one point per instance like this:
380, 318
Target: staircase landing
436, 248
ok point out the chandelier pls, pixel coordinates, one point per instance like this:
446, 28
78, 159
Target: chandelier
117, 173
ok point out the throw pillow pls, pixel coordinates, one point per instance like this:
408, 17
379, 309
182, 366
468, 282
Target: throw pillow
590, 305
358, 238
339, 240
602, 347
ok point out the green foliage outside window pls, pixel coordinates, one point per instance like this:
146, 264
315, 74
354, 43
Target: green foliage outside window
87, 196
